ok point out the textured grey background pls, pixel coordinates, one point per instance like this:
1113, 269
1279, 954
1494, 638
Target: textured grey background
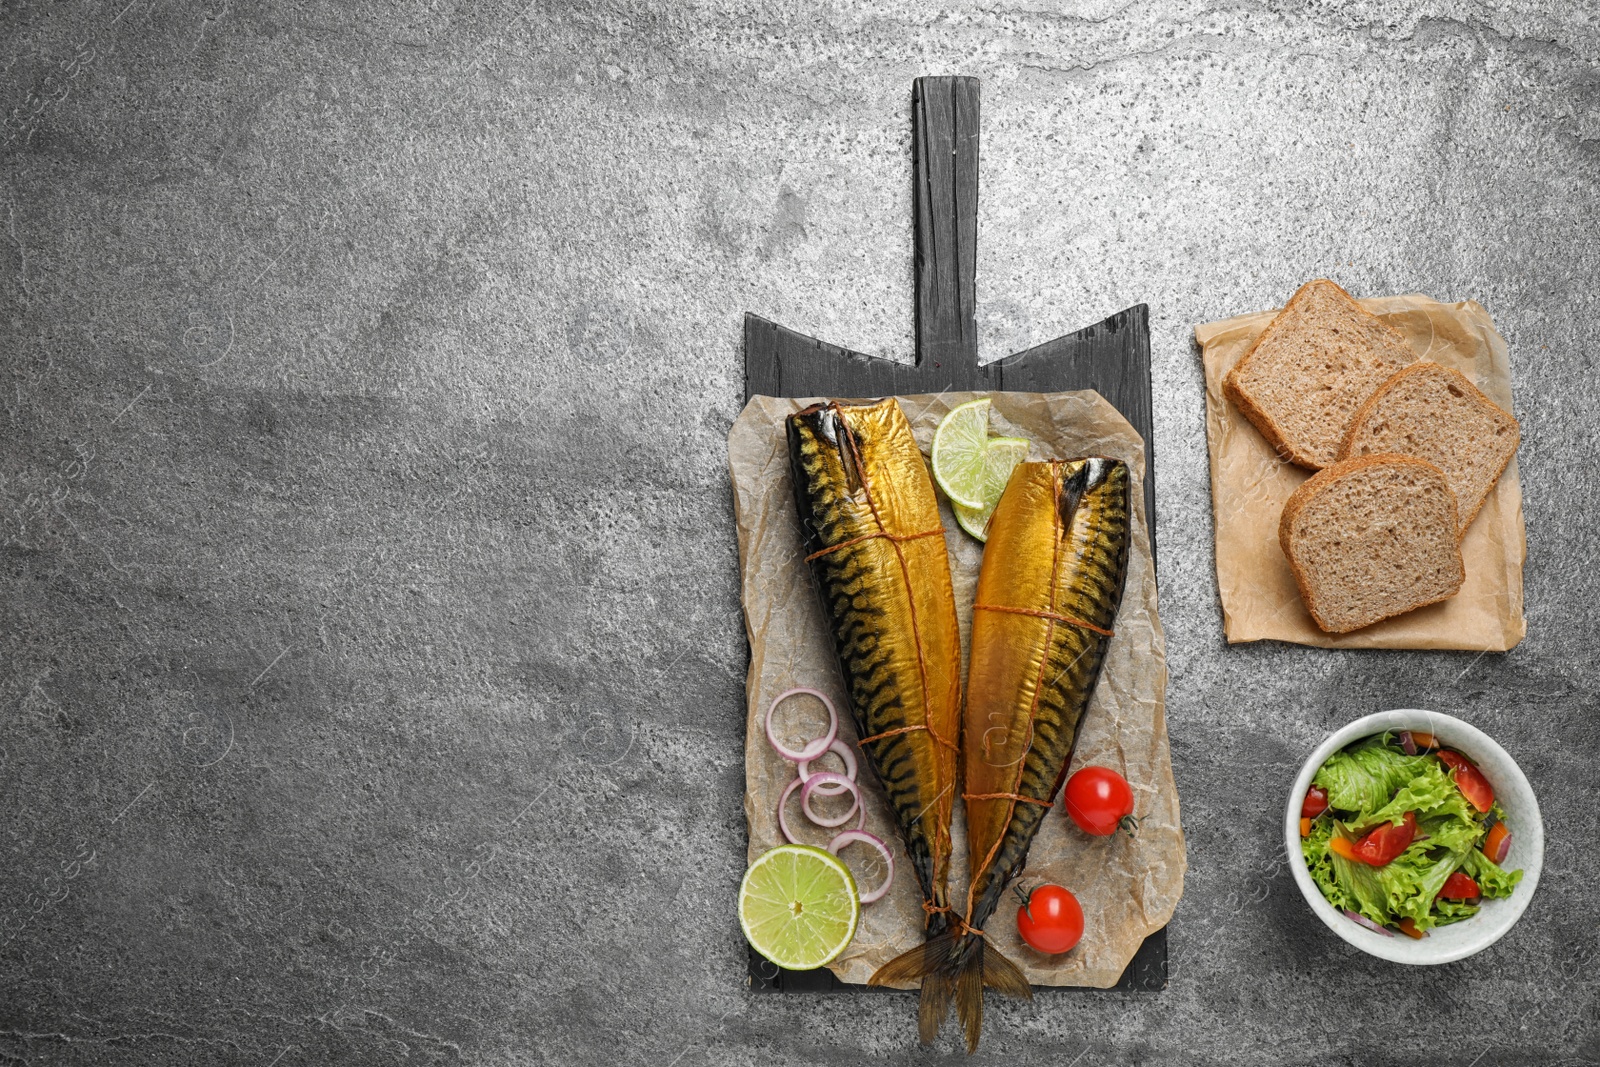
370, 658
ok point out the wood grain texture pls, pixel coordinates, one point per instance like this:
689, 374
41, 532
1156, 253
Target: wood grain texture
945, 198
1111, 357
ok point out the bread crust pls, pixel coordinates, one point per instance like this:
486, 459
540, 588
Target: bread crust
1258, 416
1260, 419
1319, 482
1423, 366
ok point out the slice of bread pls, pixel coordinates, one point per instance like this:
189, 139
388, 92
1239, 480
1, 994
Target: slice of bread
1311, 368
1435, 413
1370, 538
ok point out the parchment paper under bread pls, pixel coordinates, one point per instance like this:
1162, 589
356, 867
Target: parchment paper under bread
1249, 485
1128, 886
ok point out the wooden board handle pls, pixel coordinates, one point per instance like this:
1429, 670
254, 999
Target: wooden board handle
944, 123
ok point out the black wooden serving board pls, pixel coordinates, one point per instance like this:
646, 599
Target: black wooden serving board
1111, 357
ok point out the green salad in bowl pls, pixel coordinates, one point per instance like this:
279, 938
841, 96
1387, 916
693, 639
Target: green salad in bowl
1404, 835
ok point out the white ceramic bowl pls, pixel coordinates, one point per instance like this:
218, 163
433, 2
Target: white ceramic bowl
1458, 940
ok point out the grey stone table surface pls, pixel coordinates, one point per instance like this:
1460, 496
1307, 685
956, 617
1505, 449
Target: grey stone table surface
371, 661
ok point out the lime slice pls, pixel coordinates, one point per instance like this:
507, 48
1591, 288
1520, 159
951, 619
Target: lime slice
959, 445
1001, 457
799, 906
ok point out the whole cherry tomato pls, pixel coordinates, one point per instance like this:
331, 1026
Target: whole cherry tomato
1098, 799
1050, 919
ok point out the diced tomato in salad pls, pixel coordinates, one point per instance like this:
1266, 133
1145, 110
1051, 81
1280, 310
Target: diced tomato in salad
1459, 886
1473, 785
1381, 844
1315, 804
1408, 926
1498, 844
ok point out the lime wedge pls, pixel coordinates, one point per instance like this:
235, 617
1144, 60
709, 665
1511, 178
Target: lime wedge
799, 906
959, 445
1000, 458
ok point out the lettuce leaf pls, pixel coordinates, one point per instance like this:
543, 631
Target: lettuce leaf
1430, 793
1493, 880
1451, 830
1446, 912
1404, 887
1363, 777
1319, 861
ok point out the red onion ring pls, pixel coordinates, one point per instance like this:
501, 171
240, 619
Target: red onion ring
816, 747
858, 810
833, 789
1368, 923
783, 802
809, 786
883, 850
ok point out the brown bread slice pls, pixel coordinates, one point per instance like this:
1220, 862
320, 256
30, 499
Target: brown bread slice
1311, 368
1370, 538
1434, 413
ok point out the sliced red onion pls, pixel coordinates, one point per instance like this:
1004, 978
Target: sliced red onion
822, 778
832, 789
1407, 744
815, 748
858, 809
783, 818
883, 850
1368, 923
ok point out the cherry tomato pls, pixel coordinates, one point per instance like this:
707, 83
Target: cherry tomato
1050, 920
1315, 804
1473, 785
1459, 886
1098, 799
1498, 843
1381, 845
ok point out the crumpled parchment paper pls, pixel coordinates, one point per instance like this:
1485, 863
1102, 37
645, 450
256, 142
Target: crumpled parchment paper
1249, 485
1128, 886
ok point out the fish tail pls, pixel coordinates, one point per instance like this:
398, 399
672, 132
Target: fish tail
985, 966
933, 962
953, 967
933, 1004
